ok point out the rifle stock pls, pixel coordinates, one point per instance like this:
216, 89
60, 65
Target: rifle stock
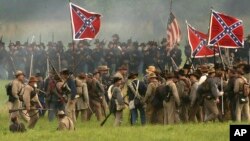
21, 109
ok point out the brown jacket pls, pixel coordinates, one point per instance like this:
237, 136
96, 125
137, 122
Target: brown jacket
150, 93
30, 97
17, 88
238, 84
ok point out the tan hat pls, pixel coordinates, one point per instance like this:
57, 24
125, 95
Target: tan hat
18, 73
211, 70
150, 69
33, 79
152, 75
204, 68
60, 113
103, 68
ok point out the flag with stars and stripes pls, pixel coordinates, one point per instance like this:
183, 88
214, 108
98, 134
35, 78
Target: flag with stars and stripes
225, 31
85, 24
198, 43
173, 31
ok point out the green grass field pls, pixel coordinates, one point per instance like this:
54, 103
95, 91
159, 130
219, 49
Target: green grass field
91, 131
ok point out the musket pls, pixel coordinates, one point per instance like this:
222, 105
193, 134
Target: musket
110, 113
21, 109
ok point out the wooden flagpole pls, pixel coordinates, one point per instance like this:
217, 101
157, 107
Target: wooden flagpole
73, 43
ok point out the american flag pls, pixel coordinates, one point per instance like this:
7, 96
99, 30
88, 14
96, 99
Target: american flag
173, 31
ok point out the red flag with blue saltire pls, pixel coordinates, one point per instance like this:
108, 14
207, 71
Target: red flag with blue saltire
85, 24
225, 31
198, 43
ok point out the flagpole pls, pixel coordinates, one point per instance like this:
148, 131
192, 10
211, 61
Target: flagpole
73, 43
170, 9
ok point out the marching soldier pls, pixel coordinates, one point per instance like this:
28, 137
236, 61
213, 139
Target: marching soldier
169, 106
183, 86
211, 93
119, 101
242, 102
70, 88
64, 122
82, 100
195, 108
31, 102
150, 93
96, 95
136, 92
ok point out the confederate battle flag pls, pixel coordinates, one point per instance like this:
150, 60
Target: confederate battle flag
198, 43
225, 31
85, 24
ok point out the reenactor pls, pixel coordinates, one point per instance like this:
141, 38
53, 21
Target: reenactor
41, 92
175, 53
96, 96
208, 89
97, 53
82, 100
149, 70
153, 84
118, 100
69, 87
122, 73
134, 58
183, 86
241, 90
230, 93
16, 125
171, 102
195, 112
31, 101
65, 123
136, 93
17, 89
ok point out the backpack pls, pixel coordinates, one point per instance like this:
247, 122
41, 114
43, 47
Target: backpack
8, 88
246, 89
162, 93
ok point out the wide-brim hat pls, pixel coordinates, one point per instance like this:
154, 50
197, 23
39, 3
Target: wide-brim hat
103, 68
60, 113
132, 74
211, 70
150, 69
116, 79
65, 71
152, 75
18, 73
204, 68
33, 79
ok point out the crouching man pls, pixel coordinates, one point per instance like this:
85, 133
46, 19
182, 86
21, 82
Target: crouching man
16, 126
64, 122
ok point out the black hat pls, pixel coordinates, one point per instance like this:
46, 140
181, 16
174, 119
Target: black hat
164, 40
65, 71
170, 75
116, 79
181, 72
115, 36
132, 74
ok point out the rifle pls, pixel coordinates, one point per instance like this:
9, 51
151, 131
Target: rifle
21, 109
110, 113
